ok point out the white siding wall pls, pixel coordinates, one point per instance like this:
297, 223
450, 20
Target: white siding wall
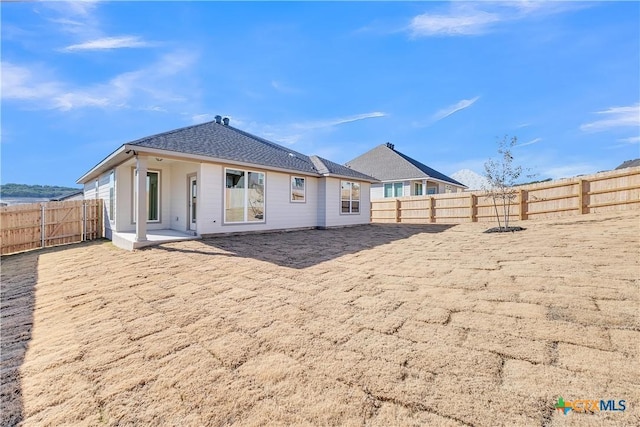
333, 204
322, 203
179, 204
101, 193
124, 193
280, 213
377, 191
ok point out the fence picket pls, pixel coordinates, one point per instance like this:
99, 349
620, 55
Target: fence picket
604, 191
25, 227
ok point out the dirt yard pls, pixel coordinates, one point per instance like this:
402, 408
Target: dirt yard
375, 325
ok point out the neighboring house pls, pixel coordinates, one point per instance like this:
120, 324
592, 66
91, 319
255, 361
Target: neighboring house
472, 180
400, 175
76, 195
212, 178
629, 164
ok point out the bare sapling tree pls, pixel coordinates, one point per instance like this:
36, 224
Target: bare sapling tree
501, 175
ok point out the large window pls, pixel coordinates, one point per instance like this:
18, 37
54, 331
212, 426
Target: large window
153, 196
350, 197
417, 189
297, 189
244, 196
112, 196
393, 189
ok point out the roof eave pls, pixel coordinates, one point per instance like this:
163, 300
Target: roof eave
353, 178
112, 159
426, 177
177, 155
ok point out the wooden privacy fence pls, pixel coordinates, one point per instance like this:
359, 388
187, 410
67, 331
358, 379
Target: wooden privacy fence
601, 192
40, 225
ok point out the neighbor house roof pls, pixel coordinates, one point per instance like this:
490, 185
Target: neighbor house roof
386, 164
222, 142
629, 164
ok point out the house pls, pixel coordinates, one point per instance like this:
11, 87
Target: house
75, 195
470, 179
629, 164
212, 178
400, 175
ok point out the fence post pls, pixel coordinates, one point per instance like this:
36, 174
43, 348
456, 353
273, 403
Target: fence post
43, 232
432, 209
397, 210
84, 221
580, 196
473, 201
523, 204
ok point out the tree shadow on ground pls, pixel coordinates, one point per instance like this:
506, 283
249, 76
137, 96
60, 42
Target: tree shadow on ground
305, 248
17, 303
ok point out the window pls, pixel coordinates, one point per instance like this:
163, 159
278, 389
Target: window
393, 189
350, 197
244, 196
153, 196
417, 189
432, 190
297, 189
112, 196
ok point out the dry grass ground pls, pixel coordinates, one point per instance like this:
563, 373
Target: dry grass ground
375, 326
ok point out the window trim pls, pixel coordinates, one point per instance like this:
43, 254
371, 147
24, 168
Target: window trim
134, 193
246, 205
415, 188
351, 200
304, 189
393, 185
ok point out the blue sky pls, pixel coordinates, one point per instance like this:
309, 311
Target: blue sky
440, 80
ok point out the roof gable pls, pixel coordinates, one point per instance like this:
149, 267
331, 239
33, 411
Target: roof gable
387, 164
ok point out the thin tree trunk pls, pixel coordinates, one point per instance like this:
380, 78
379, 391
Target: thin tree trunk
495, 206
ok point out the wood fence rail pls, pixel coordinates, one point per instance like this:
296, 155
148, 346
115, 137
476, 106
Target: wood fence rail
40, 225
605, 191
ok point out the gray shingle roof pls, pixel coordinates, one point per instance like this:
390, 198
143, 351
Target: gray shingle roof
324, 166
629, 164
225, 142
386, 164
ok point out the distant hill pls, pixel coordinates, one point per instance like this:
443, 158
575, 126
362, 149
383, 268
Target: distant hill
42, 191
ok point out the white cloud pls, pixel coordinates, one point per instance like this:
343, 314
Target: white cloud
202, 118
467, 19
451, 109
161, 83
336, 121
631, 140
293, 133
106, 43
452, 25
24, 84
284, 88
568, 171
533, 141
616, 117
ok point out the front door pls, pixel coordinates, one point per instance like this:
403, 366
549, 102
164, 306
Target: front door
193, 193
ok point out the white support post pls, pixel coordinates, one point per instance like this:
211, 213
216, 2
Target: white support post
141, 187
424, 187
